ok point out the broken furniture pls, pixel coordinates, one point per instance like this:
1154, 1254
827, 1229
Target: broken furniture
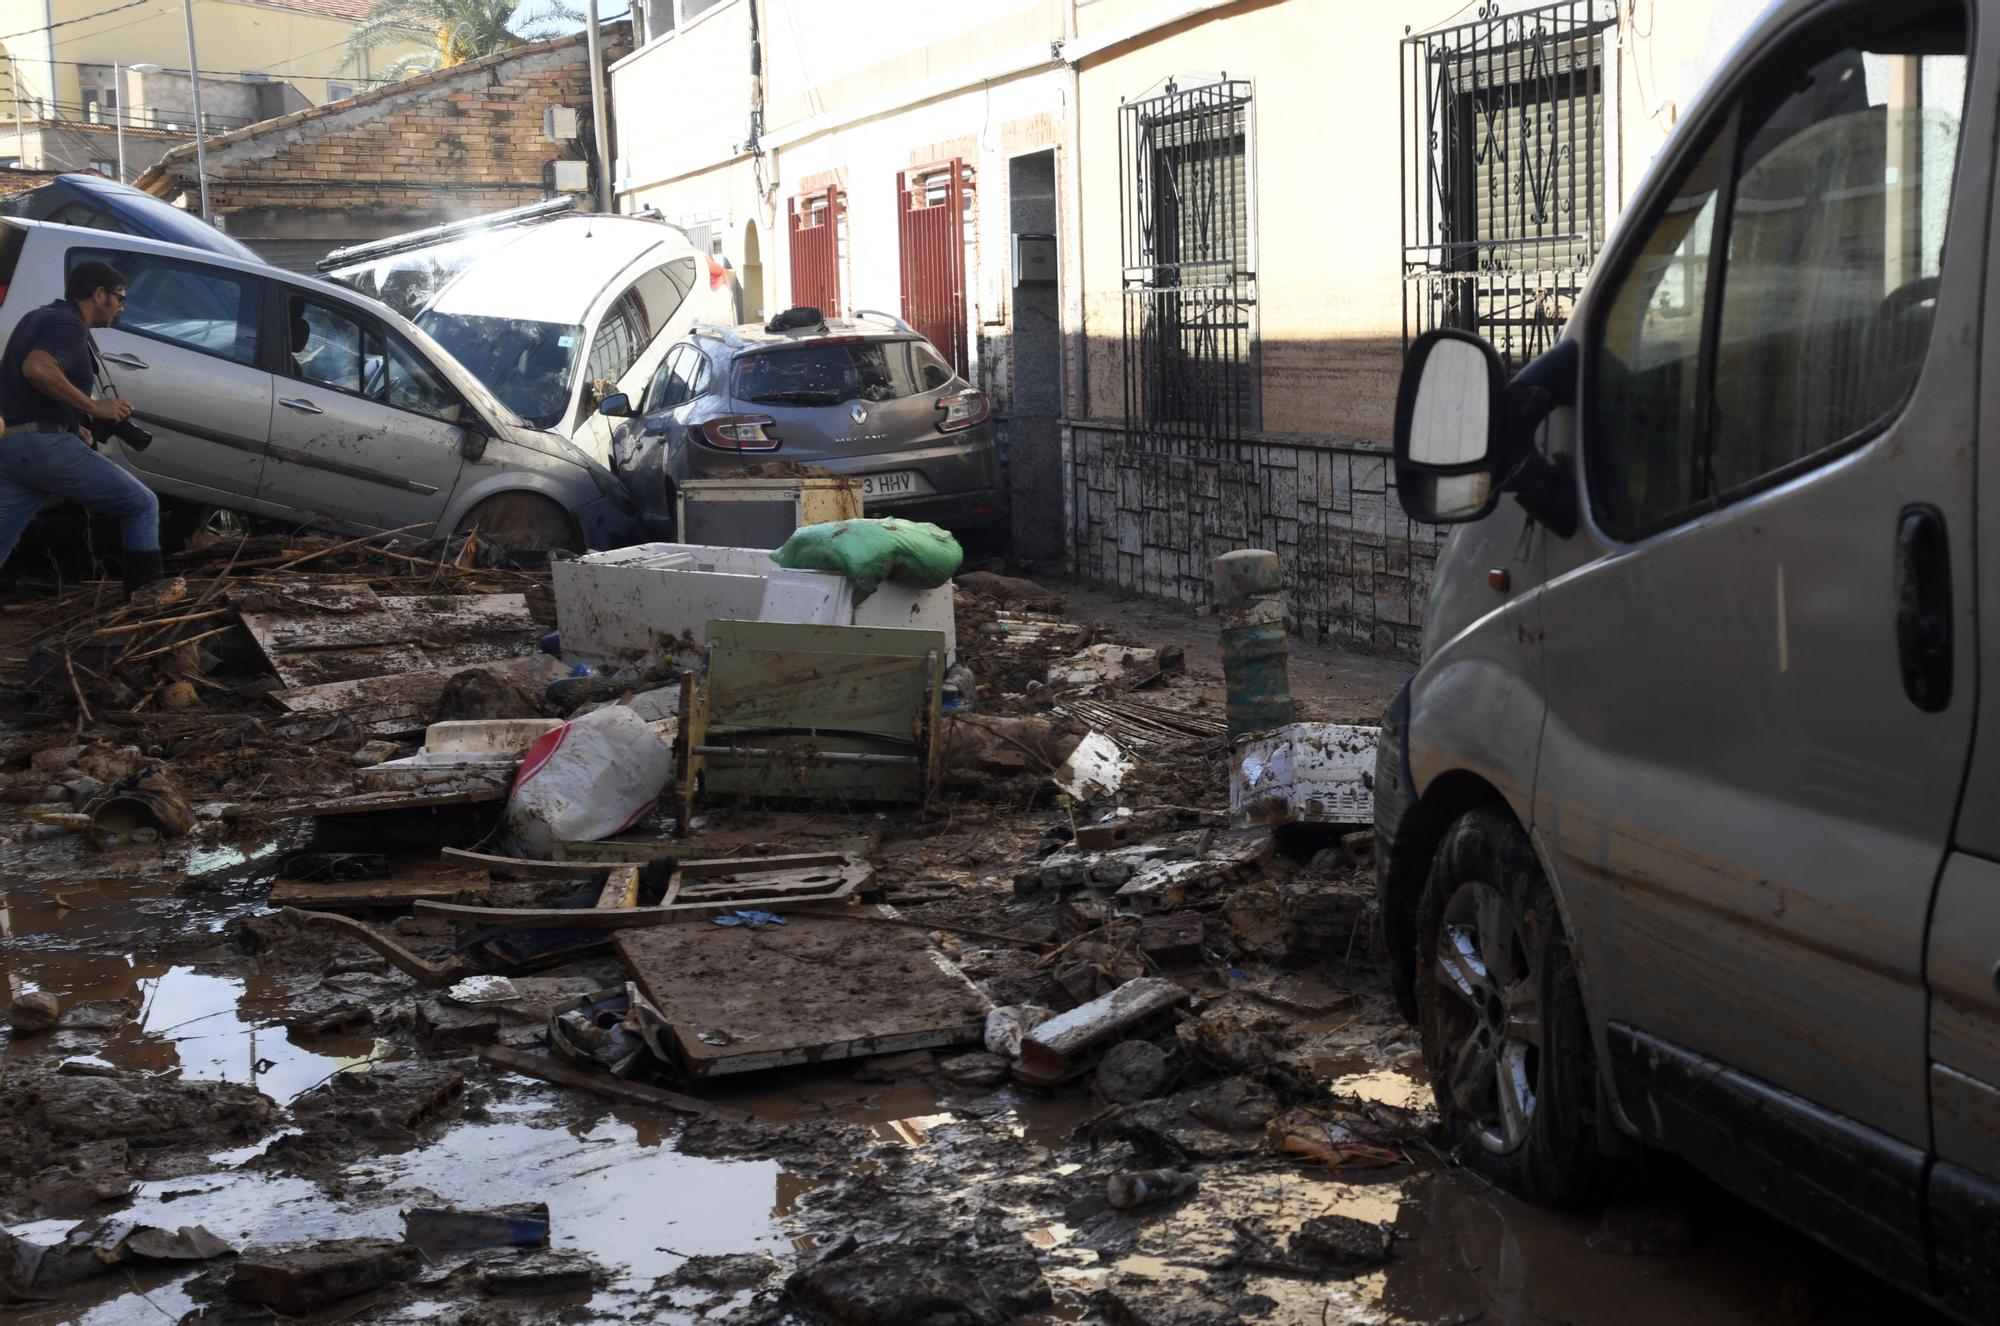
656, 599
847, 713
739, 1000
761, 513
698, 891
1304, 773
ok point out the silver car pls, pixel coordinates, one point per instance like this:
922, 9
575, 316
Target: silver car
1686, 824
276, 396
866, 397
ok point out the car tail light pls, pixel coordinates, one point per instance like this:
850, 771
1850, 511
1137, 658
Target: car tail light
740, 432
963, 411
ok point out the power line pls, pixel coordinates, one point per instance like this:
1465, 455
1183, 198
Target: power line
80, 18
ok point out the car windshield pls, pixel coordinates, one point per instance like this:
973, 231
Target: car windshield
528, 365
827, 373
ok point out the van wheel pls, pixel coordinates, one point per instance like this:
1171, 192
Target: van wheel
1501, 1013
521, 522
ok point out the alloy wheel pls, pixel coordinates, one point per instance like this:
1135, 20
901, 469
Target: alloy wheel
1491, 1016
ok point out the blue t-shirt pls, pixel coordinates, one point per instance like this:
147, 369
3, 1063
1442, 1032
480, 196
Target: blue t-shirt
59, 329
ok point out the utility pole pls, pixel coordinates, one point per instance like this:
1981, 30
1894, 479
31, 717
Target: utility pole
600, 124
200, 136
118, 113
20, 137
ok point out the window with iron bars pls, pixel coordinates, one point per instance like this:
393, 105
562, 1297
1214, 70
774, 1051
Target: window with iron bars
1503, 209
1190, 281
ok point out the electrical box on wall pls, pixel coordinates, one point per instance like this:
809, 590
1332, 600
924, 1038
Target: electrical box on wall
571, 176
559, 123
1034, 260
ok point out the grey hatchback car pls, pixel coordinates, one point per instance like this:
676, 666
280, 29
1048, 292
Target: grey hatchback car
866, 397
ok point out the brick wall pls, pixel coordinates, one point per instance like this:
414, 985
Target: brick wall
1357, 570
451, 143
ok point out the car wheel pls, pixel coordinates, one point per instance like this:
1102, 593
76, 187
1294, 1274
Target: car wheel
1504, 1032
520, 522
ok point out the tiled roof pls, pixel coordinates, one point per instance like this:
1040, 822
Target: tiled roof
354, 10
20, 181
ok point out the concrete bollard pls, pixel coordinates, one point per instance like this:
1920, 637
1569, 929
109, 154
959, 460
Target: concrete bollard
1254, 654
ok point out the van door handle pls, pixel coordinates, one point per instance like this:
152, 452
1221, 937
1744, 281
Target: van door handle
302, 405
1923, 606
123, 360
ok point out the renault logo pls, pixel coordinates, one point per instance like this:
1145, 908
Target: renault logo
860, 414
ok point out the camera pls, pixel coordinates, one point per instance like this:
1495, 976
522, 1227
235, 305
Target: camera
132, 435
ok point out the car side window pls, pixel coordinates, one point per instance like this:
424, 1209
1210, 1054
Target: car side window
666, 390
613, 350
1781, 306
931, 369
415, 386
187, 304
329, 347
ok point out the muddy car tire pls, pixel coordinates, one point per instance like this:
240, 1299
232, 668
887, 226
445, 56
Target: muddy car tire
1501, 1013
521, 522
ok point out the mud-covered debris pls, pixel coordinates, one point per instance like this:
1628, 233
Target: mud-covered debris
444, 1027
975, 1069
84, 1177
893, 1067
727, 1272
339, 1019
435, 1229
298, 1278
542, 1273
1341, 1242
1330, 918
1131, 1189
1338, 1140
1015, 591
1134, 1070
1234, 1105
981, 1277
41, 1111
1007, 1027
95, 1247
1173, 938
483, 693
34, 1012
1053, 1051
390, 1102
1234, 1038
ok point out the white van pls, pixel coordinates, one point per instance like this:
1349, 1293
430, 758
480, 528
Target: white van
553, 317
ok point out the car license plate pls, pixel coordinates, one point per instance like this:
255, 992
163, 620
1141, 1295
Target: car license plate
896, 483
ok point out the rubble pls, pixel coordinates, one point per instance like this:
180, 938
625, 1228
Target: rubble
299, 1279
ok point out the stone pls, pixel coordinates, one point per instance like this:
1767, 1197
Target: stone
1134, 1070
33, 1013
975, 1070
293, 1279
1341, 1242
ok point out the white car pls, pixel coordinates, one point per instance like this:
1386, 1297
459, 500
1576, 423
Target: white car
554, 317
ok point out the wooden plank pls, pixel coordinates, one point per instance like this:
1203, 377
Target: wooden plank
549, 1069
621, 888
823, 990
761, 865
372, 803
312, 637
852, 877
356, 895
420, 970
404, 703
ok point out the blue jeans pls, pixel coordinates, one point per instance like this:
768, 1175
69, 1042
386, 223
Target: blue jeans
38, 467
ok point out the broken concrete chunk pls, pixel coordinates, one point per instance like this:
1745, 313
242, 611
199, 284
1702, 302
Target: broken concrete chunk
983, 1278
189, 1243
534, 1273
293, 1279
33, 1013
447, 1229
1007, 1027
1053, 1050
1173, 938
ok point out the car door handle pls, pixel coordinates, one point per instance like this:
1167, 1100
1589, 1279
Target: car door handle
302, 405
124, 360
1923, 606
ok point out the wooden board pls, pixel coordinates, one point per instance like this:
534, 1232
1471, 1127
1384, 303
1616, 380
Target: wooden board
405, 702
358, 895
847, 881
812, 990
550, 1069
315, 635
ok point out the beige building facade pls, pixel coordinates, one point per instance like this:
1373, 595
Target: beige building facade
1194, 235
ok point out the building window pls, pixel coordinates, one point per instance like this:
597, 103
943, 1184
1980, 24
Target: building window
104, 167
1504, 120
339, 91
1190, 263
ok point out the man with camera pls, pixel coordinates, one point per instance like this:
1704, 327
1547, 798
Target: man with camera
48, 377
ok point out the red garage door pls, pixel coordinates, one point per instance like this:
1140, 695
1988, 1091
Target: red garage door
930, 211
816, 250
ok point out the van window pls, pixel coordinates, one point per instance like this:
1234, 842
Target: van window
1782, 304
660, 292
183, 303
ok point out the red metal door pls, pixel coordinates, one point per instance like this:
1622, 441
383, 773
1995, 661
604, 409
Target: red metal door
930, 213
816, 250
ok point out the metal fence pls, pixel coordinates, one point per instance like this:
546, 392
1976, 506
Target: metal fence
1187, 217
1504, 175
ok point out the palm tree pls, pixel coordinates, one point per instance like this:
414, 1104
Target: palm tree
452, 31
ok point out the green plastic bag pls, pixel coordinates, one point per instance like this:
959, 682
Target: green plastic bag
867, 552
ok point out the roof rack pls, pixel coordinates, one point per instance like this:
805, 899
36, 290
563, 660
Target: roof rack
444, 234
890, 318
718, 331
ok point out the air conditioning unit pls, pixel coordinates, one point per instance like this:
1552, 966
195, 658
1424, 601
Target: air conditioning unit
571, 176
559, 124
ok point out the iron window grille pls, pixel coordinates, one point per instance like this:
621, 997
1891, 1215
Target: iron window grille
1187, 219
1503, 121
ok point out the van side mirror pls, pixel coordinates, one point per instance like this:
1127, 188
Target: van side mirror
1465, 435
617, 405
1449, 434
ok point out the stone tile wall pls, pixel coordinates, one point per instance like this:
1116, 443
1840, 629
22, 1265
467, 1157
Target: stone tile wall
1357, 569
